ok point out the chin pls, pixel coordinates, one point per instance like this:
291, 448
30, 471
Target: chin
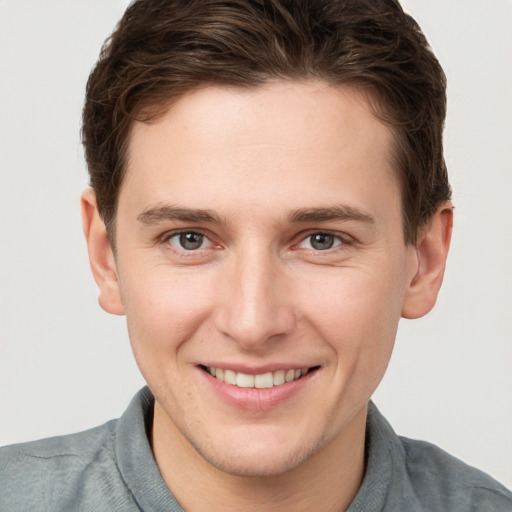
257, 460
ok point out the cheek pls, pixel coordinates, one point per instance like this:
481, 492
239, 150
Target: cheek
358, 319
163, 310
358, 296
357, 314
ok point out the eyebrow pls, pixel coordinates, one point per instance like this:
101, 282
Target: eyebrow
155, 214
158, 213
338, 212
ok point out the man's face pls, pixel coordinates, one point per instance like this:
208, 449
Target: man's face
259, 233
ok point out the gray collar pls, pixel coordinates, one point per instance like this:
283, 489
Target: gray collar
385, 487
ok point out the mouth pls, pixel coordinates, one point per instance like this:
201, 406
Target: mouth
261, 380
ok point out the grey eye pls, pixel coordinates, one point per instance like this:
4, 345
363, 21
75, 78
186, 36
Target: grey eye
190, 241
322, 241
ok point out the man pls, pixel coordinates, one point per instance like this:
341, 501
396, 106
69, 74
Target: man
269, 197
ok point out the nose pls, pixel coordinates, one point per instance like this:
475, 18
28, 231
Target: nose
254, 306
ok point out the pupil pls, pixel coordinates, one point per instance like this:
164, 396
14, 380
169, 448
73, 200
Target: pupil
191, 241
322, 241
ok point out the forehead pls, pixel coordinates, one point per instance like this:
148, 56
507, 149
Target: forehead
286, 141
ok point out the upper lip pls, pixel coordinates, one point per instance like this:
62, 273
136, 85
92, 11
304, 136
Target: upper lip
256, 370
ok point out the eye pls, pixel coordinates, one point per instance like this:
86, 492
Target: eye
321, 241
189, 241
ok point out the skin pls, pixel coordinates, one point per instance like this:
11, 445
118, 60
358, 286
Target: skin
256, 174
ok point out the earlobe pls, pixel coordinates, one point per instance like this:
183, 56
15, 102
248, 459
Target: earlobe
101, 257
431, 252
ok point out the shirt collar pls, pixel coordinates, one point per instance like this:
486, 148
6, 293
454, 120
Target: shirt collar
384, 488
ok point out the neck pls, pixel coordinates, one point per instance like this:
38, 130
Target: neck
327, 481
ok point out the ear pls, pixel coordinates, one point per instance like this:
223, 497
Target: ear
431, 252
101, 256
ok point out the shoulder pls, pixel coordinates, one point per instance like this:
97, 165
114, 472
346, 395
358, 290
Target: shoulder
441, 480
81, 445
405, 475
72, 451
51, 473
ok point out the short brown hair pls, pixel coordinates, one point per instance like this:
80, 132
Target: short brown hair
161, 49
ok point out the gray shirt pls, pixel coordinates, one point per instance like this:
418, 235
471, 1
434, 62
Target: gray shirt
111, 468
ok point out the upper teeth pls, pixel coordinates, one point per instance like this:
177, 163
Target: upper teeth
261, 380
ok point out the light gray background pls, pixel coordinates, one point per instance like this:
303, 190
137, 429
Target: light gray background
65, 365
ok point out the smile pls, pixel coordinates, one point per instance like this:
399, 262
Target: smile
261, 380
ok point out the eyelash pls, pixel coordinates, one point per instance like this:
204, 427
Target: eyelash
166, 239
338, 241
341, 242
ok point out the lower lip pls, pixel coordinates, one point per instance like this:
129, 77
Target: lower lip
256, 398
